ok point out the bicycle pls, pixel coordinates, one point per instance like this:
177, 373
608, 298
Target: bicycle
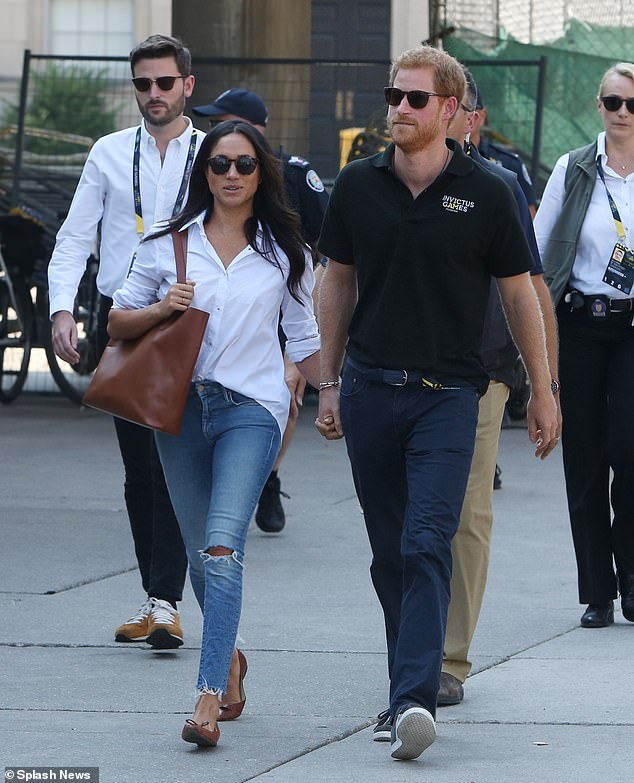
24, 321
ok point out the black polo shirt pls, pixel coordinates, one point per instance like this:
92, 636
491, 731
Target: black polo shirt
423, 265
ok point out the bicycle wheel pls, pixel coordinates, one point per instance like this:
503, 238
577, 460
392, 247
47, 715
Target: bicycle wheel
73, 379
15, 341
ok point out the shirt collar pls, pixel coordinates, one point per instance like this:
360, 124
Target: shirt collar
148, 139
459, 164
601, 153
200, 219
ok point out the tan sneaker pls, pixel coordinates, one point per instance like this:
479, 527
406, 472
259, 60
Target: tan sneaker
164, 628
136, 628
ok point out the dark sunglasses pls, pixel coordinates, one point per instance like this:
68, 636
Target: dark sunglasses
220, 164
614, 103
417, 99
164, 83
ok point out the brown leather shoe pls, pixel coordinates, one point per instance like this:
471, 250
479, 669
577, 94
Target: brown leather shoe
233, 711
451, 691
200, 734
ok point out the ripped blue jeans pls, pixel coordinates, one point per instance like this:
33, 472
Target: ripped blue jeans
215, 471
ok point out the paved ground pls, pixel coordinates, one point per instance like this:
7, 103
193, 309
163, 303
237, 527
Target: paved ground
548, 701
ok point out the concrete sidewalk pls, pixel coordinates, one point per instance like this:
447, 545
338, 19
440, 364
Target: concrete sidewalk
547, 701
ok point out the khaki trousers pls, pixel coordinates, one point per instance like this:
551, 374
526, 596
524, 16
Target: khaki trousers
471, 544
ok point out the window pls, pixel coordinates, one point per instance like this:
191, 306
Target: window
99, 27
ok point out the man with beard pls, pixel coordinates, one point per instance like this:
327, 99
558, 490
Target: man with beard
132, 179
418, 230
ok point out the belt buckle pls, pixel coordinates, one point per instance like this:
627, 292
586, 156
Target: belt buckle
404, 381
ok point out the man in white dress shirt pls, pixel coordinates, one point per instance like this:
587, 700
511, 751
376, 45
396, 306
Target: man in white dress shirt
131, 179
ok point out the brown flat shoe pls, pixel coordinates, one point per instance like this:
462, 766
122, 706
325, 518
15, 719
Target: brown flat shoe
199, 734
233, 711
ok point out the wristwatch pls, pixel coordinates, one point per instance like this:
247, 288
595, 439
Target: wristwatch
554, 386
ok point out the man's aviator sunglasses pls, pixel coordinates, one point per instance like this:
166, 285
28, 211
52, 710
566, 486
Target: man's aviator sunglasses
614, 103
220, 164
164, 83
417, 99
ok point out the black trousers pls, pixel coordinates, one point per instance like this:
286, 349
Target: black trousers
596, 368
158, 545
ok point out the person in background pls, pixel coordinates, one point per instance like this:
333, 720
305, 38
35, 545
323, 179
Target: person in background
471, 545
413, 236
246, 262
131, 179
307, 195
585, 232
500, 155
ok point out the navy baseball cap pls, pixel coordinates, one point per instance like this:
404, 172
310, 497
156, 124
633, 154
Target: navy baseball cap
236, 101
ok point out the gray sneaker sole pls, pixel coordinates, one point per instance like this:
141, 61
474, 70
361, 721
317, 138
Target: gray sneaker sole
414, 732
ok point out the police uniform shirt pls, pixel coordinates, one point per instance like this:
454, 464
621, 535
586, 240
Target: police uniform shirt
306, 193
511, 161
423, 265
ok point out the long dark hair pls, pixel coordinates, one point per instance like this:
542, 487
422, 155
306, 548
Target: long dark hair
270, 205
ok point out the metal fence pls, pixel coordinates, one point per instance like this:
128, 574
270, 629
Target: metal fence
63, 104
579, 40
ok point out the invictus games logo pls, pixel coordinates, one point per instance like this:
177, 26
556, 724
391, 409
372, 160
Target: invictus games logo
453, 204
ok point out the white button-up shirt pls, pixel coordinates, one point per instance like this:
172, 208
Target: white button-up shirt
105, 193
598, 232
240, 348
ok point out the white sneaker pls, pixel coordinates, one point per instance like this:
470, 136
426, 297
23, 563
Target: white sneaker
413, 731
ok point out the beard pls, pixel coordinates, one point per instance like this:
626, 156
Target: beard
171, 110
410, 136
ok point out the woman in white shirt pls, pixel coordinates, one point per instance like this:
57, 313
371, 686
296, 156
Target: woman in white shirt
585, 232
246, 261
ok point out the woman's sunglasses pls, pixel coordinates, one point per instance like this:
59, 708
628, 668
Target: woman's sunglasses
164, 83
417, 99
614, 103
220, 164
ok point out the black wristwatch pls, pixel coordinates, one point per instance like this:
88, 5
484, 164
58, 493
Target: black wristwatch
554, 386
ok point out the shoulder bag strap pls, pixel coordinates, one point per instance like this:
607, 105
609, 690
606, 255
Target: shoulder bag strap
179, 239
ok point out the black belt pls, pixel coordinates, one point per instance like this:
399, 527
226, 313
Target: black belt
403, 377
577, 300
620, 305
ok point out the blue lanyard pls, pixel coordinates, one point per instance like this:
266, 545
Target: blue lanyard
136, 179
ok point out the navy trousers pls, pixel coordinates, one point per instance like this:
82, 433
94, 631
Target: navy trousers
410, 449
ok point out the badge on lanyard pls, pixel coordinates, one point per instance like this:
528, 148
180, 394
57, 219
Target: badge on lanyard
619, 272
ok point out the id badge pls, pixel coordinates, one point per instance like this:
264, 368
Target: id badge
619, 272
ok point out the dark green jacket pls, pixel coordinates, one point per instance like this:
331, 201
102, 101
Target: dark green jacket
561, 249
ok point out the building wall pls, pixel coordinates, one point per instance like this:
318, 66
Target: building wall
25, 25
410, 24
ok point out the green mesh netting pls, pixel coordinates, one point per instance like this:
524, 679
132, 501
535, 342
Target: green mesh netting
575, 64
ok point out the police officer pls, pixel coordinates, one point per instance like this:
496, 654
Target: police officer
307, 195
503, 156
305, 190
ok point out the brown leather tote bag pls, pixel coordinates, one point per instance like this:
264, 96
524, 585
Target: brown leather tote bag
147, 380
